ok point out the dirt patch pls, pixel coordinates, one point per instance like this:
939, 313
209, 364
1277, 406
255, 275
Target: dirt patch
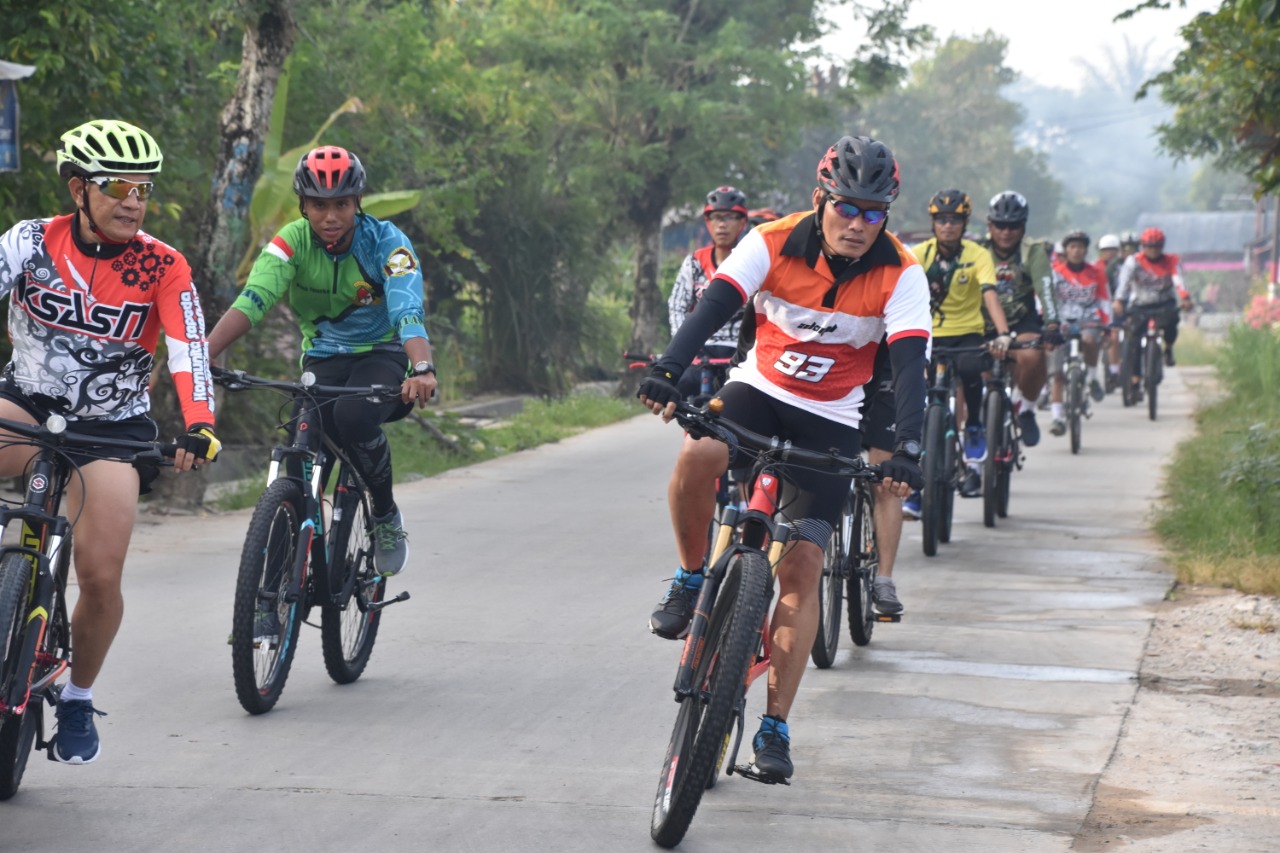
1197, 765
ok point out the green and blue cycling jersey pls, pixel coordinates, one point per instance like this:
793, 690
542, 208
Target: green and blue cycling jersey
368, 298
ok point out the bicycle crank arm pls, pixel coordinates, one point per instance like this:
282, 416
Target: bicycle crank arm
378, 605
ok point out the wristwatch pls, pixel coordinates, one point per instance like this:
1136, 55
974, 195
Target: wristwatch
422, 368
909, 449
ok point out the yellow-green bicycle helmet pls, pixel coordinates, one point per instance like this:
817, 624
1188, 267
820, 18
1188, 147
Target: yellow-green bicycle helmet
107, 145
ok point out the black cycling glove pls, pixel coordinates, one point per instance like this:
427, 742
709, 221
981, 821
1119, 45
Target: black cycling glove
1052, 335
201, 442
903, 469
660, 385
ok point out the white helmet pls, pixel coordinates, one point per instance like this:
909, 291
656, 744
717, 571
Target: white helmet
1108, 241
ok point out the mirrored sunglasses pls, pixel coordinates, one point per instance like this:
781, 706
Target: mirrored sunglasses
121, 189
848, 210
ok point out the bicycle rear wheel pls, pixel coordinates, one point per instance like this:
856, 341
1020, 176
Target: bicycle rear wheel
863, 565
936, 478
1151, 376
835, 568
703, 723
260, 664
1075, 404
994, 422
348, 629
17, 733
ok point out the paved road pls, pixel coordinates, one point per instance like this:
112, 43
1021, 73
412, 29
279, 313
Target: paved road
517, 703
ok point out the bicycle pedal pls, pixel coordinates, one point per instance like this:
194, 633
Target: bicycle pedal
749, 771
888, 617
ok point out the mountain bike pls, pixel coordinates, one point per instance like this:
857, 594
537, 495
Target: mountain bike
1149, 358
305, 550
1004, 437
728, 645
942, 459
35, 624
1075, 391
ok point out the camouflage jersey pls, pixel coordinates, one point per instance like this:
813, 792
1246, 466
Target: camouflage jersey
1024, 283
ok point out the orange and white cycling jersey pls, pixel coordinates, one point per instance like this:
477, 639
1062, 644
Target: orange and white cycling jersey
817, 333
85, 320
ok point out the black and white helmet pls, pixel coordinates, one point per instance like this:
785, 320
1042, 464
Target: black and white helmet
859, 167
1008, 208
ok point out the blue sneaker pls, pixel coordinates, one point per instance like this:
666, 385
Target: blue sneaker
772, 744
975, 444
76, 741
911, 506
674, 613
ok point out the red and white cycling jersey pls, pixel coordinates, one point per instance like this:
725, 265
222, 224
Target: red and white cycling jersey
1081, 294
85, 320
816, 341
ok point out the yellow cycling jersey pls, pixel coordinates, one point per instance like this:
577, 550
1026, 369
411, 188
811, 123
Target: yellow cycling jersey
956, 285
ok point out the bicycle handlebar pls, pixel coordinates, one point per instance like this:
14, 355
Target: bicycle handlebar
53, 433
708, 422
238, 380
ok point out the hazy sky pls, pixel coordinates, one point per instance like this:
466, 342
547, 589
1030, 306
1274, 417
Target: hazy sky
1045, 37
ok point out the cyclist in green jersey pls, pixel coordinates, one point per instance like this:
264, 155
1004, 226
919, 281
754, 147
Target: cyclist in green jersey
355, 286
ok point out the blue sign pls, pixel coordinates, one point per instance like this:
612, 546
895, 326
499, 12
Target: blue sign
8, 126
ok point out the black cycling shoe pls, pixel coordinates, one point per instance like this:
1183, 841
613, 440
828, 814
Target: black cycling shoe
1169, 360
674, 613
772, 744
971, 487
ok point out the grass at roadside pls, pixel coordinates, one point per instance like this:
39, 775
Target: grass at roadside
1221, 519
421, 452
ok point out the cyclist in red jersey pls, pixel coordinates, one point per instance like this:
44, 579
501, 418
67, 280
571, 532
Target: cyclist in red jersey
89, 295
829, 284
725, 214
1151, 284
1080, 290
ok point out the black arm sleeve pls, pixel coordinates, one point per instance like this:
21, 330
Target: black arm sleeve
718, 304
907, 357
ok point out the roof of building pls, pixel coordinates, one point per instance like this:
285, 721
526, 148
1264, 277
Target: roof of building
1208, 233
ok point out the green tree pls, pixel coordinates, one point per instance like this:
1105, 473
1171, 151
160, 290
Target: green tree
1225, 86
952, 126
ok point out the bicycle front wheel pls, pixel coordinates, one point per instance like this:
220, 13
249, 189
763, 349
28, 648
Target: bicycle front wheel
1075, 404
17, 733
936, 478
1151, 376
264, 624
349, 628
703, 723
864, 563
835, 567
994, 422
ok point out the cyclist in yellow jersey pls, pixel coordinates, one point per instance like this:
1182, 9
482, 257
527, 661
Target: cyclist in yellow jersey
962, 280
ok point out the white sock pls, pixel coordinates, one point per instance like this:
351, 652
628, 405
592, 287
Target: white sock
1056, 410
1114, 369
71, 693
1017, 396
1090, 374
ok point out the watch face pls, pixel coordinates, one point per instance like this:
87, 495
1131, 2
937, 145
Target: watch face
911, 448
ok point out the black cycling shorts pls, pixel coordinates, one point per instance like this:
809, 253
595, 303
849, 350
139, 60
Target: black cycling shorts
806, 493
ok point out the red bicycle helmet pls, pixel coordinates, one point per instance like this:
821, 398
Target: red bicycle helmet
1153, 237
329, 172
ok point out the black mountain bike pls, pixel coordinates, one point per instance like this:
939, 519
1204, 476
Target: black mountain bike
728, 645
1075, 390
942, 460
1146, 332
35, 624
1004, 437
304, 550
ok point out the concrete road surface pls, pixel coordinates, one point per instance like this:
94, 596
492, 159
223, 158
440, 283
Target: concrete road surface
518, 703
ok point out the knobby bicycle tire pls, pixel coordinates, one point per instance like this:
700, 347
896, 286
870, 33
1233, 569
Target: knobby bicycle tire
349, 629
1151, 376
270, 549
1075, 404
864, 564
835, 568
952, 471
935, 478
704, 720
994, 422
1127, 360
17, 733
